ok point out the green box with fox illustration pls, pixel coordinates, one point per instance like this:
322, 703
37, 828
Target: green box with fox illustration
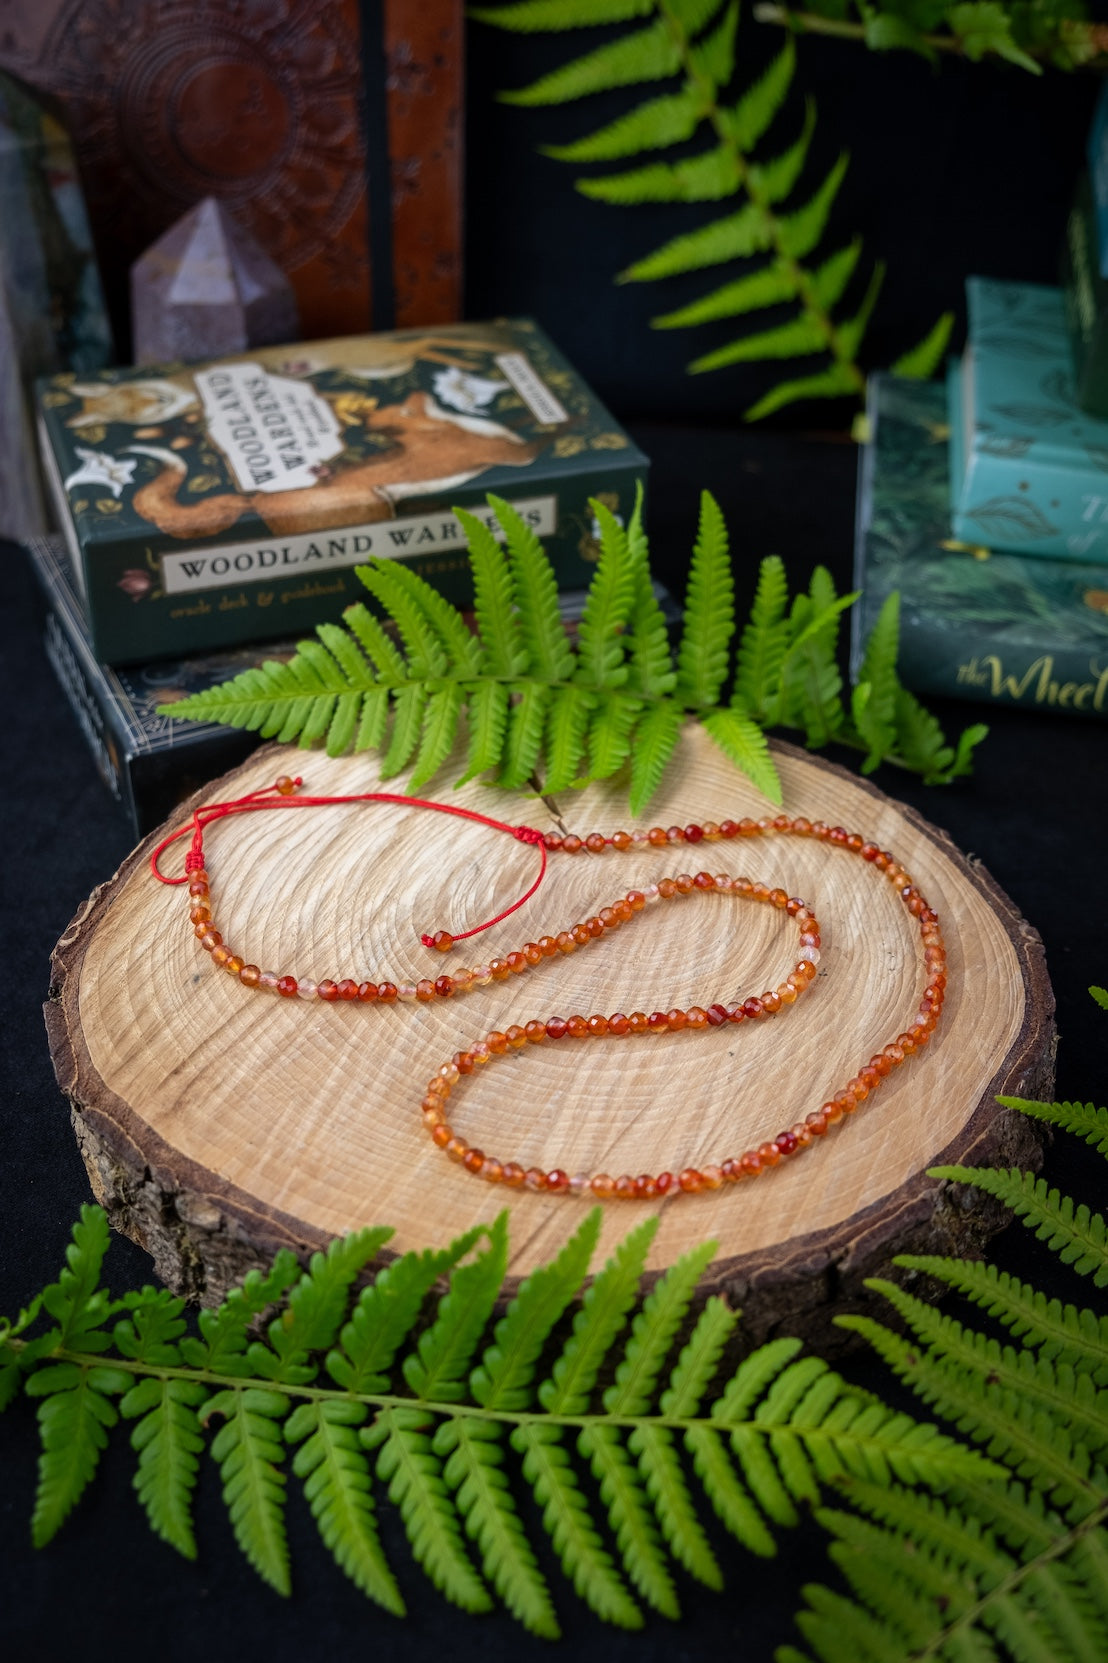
207, 505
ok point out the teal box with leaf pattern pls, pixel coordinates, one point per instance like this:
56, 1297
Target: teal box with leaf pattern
210, 505
1028, 466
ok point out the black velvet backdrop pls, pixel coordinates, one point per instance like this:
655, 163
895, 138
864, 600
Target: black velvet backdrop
964, 170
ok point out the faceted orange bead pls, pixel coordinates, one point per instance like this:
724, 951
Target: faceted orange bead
577, 1027
517, 962
367, 993
667, 888
441, 941
638, 1022
327, 990
425, 992
595, 928
492, 1171
595, 843
645, 1187
751, 1163
512, 1174
200, 914
557, 1181
625, 1187
712, 1176
566, 943
696, 1017
249, 975
515, 1036
500, 969
444, 987
557, 1028
208, 937
441, 1135
456, 1148
684, 883
535, 1031
497, 1042
676, 1020
598, 1026
532, 952
769, 1154
602, 1185
534, 1178
473, 1160
691, 1180
636, 900
582, 934
547, 945
656, 836
233, 964
220, 953
572, 844
620, 840
771, 1002
386, 992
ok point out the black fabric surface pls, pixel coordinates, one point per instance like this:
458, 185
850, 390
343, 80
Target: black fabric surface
1034, 814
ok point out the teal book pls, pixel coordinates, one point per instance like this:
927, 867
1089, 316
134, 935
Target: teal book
999, 628
1028, 466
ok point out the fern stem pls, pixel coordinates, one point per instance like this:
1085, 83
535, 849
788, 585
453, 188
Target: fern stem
1089, 41
748, 178
967, 1619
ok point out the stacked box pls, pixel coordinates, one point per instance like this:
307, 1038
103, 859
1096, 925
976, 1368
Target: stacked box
1028, 467
974, 624
215, 504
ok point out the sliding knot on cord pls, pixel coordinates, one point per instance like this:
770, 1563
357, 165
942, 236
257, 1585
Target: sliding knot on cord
528, 834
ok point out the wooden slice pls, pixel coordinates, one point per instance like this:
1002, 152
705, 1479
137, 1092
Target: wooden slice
219, 1122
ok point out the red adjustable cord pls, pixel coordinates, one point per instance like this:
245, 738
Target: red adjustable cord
281, 795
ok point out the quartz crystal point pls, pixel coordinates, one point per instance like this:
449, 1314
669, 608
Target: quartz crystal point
206, 289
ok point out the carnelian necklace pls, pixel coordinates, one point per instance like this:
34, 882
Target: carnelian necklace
618, 1026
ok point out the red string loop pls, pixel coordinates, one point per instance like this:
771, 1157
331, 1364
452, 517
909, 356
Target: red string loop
281, 795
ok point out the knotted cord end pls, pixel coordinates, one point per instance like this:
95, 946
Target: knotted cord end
528, 834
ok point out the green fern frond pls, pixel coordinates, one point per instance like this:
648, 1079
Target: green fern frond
339, 1492
654, 125
248, 1449
650, 54
168, 1439
537, 705
921, 362
655, 742
696, 42
763, 645
74, 1418
534, 16
1082, 1119
440, 1362
759, 105
474, 1470
1067, 1333
444, 1417
873, 705
407, 1463
1070, 1229
502, 1380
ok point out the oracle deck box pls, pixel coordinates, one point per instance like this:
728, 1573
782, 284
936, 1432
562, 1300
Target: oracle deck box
215, 504
1028, 466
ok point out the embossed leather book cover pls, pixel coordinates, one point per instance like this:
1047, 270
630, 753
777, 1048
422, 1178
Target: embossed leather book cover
331, 131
